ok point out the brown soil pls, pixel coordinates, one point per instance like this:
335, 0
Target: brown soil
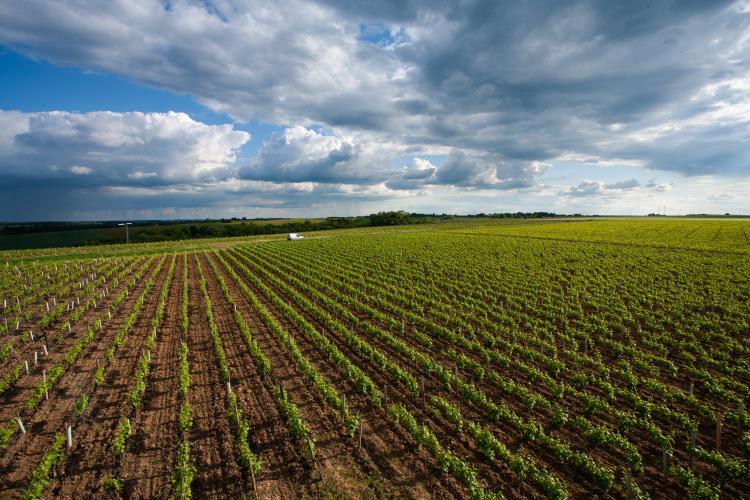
146, 470
497, 475
388, 454
50, 417
16, 396
91, 460
217, 473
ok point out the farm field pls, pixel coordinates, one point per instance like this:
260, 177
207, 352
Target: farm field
555, 359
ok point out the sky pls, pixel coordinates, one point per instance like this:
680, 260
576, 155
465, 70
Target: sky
176, 109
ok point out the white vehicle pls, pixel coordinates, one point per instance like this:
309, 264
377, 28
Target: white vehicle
294, 236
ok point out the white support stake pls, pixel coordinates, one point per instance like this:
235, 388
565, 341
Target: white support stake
360, 432
36, 358
70, 436
20, 425
31, 334
26, 362
46, 352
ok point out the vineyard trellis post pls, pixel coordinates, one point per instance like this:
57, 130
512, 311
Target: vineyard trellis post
360, 432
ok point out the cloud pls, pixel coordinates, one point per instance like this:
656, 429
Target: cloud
413, 176
596, 188
108, 149
367, 91
488, 171
55, 163
298, 154
659, 187
515, 82
629, 184
79, 170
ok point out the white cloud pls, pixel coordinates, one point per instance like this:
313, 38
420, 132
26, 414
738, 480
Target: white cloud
116, 148
80, 170
298, 154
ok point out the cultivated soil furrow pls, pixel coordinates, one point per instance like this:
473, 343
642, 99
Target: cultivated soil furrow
269, 438
508, 435
25, 451
387, 453
217, 473
146, 470
341, 471
496, 476
16, 396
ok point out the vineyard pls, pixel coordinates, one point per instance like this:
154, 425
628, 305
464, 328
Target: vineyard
543, 360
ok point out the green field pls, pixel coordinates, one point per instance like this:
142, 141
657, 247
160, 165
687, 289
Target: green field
140, 233
556, 358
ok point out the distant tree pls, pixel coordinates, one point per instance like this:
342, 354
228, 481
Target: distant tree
389, 218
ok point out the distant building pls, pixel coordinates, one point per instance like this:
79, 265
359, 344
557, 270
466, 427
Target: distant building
294, 236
